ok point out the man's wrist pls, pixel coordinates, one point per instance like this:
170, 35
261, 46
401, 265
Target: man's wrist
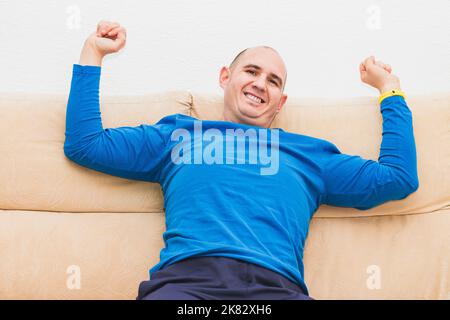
90, 56
389, 87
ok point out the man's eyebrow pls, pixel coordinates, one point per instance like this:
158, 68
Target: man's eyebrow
273, 75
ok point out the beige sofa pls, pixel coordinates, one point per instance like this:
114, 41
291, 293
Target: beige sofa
67, 232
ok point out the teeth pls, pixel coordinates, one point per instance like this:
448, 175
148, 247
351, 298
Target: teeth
256, 99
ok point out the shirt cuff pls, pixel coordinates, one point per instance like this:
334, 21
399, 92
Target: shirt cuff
389, 99
390, 93
86, 69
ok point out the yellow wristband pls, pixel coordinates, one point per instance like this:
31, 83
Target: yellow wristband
390, 93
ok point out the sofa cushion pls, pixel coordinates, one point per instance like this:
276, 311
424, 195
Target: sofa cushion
35, 173
63, 255
32, 129
354, 125
397, 257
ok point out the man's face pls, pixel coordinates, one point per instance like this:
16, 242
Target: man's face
253, 87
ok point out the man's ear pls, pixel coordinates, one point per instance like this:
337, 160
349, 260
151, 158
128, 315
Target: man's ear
282, 102
224, 76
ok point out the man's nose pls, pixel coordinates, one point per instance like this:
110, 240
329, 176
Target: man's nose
260, 83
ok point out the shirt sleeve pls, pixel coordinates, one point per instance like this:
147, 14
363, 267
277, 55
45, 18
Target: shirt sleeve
350, 181
128, 152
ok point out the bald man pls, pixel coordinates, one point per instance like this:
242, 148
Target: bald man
237, 215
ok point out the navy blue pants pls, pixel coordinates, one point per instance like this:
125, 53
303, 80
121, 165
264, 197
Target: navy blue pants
218, 278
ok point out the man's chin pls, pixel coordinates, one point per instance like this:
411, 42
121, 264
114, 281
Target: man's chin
250, 118
250, 112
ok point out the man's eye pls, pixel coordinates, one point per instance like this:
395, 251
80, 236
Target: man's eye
251, 72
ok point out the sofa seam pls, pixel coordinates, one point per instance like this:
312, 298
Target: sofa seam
394, 215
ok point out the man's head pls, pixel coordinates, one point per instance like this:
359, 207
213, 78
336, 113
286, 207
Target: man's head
253, 86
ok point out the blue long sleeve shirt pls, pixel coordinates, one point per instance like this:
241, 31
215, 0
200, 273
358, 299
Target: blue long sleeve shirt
234, 208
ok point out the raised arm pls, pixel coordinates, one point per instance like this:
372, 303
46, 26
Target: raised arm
351, 181
127, 152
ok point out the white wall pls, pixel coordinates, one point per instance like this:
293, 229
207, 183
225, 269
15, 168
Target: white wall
182, 44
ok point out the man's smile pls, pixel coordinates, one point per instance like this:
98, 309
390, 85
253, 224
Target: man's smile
254, 99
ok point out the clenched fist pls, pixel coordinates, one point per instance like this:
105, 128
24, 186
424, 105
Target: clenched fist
378, 75
109, 37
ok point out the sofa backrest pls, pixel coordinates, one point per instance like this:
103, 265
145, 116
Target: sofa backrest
36, 175
354, 125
